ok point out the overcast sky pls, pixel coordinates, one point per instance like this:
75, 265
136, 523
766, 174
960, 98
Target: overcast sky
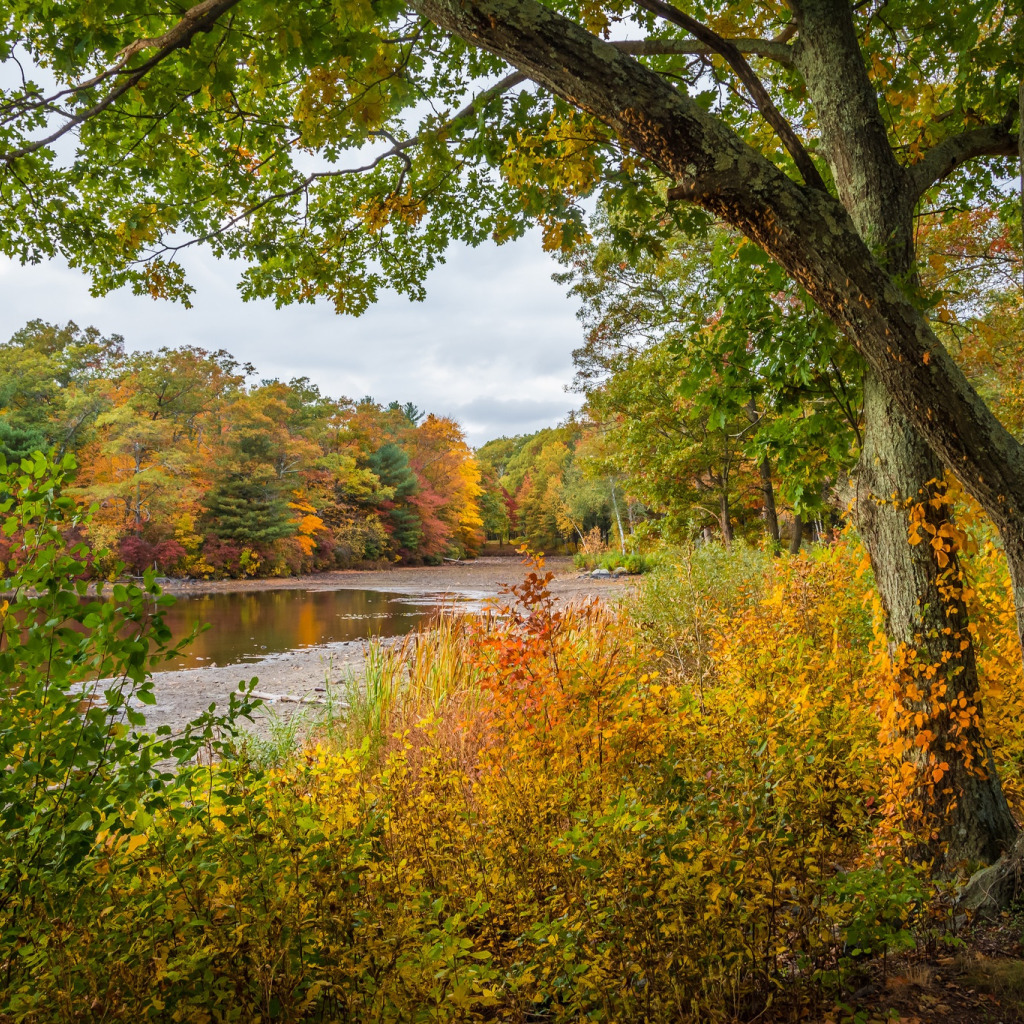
491, 346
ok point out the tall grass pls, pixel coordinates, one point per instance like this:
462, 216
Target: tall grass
404, 679
684, 602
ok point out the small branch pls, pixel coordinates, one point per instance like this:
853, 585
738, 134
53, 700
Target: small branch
508, 82
787, 33
773, 49
946, 156
398, 148
200, 18
1020, 156
727, 49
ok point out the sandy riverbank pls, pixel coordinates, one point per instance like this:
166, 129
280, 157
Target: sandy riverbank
183, 694
480, 576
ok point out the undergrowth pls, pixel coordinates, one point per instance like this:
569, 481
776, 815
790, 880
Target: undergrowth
545, 814
633, 562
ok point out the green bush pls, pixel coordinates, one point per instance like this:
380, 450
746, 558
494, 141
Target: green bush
76, 668
634, 562
691, 588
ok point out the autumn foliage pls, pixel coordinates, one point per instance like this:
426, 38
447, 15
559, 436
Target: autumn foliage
199, 471
543, 812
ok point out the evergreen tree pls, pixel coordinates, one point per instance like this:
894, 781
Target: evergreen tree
250, 512
391, 465
19, 442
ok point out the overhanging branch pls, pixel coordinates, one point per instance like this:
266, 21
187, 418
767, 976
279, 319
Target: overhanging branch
946, 156
398, 148
808, 232
727, 49
199, 18
773, 49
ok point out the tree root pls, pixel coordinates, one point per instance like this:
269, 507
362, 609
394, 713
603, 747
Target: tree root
993, 889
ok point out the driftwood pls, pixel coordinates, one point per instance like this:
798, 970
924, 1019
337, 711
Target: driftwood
291, 698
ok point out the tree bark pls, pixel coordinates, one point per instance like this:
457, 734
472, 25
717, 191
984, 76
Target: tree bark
897, 469
618, 520
796, 538
967, 805
1020, 160
771, 515
764, 468
725, 518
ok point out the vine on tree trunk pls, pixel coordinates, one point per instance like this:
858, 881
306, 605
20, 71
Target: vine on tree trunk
941, 782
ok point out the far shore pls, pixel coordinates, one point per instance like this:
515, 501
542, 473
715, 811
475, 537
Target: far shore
486, 575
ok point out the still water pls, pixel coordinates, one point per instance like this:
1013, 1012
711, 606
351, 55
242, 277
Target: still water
250, 625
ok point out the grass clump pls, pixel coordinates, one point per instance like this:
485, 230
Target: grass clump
633, 562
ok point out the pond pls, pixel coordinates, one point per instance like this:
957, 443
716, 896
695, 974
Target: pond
250, 625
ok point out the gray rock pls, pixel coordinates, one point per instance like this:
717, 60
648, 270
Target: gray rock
620, 571
992, 889
600, 574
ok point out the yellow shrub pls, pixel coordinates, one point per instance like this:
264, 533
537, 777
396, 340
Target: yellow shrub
544, 828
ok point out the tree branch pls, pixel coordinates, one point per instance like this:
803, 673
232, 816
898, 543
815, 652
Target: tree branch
772, 49
1020, 155
398, 149
727, 49
946, 156
200, 18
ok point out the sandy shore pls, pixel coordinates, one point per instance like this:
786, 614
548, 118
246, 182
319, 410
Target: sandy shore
183, 694
480, 576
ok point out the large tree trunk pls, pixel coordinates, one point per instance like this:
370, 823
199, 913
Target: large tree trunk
808, 232
927, 627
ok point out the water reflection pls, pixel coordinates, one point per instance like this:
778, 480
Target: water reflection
250, 625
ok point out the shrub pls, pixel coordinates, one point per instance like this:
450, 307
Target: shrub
634, 562
692, 590
79, 775
222, 556
523, 819
137, 553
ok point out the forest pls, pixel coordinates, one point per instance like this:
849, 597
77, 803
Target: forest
782, 779
197, 472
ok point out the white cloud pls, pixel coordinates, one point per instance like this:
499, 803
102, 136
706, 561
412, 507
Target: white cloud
491, 345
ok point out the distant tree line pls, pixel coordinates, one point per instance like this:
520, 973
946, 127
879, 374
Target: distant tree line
200, 472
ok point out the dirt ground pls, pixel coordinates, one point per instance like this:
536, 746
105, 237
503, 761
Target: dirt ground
980, 982
308, 672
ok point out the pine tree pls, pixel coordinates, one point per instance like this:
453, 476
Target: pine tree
391, 465
250, 512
